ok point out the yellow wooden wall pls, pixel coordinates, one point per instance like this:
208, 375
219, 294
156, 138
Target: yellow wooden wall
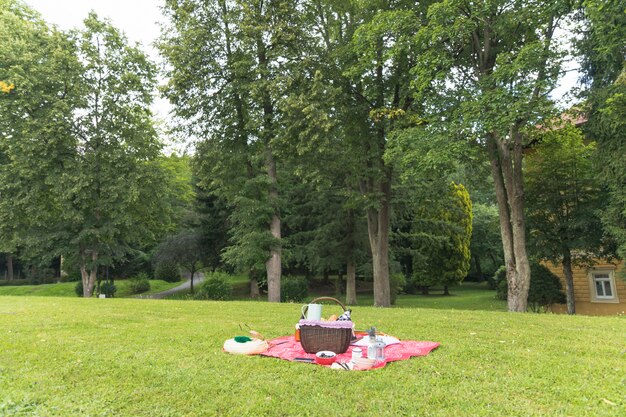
582, 290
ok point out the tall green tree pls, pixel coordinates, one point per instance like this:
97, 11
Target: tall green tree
111, 182
366, 51
231, 63
602, 47
484, 71
39, 74
486, 246
440, 235
563, 199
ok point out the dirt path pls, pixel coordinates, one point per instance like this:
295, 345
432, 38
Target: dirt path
198, 278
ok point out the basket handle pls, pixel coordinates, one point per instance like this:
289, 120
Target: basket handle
329, 299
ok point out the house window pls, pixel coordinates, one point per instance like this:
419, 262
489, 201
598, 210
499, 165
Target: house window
602, 286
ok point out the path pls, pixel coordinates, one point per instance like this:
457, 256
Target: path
198, 278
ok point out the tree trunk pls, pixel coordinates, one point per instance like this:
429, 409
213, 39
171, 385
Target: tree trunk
445, 290
378, 232
254, 288
88, 273
9, 267
273, 264
510, 197
479, 270
569, 282
351, 282
193, 272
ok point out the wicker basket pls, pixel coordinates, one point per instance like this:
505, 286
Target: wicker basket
317, 338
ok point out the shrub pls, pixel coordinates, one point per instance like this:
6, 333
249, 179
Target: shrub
545, 287
397, 282
167, 271
216, 286
14, 282
293, 289
109, 289
139, 283
78, 289
73, 276
499, 283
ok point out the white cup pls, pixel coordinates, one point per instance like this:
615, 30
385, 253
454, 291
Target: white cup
313, 311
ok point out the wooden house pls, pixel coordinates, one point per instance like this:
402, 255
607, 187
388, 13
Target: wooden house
599, 290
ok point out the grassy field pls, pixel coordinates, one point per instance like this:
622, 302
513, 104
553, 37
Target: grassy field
128, 357
66, 289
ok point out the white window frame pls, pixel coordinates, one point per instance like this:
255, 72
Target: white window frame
610, 278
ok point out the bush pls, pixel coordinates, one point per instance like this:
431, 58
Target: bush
216, 286
73, 276
167, 271
14, 282
293, 289
545, 287
78, 289
139, 284
397, 282
109, 289
499, 283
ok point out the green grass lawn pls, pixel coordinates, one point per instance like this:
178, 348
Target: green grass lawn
66, 289
128, 357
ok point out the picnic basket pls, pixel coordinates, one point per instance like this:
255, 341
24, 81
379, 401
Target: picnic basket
315, 337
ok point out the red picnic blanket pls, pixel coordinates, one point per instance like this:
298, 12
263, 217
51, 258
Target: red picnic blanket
287, 348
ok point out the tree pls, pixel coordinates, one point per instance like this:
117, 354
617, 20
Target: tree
563, 199
185, 249
111, 193
442, 231
602, 47
229, 98
39, 77
485, 244
484, 71
366, 55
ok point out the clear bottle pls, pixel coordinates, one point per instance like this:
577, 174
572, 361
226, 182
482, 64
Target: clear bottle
371, 347
380, 350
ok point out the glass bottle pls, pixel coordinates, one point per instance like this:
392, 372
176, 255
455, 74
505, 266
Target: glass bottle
371, 347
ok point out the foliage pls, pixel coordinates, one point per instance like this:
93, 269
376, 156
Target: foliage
78, 288
397, 282
216, 286
603, 52
167, 271
478, 349
563, 202
184, 249
139, 284
293, 289
40, 63
483, 74
108, 288
563, 196
78, 133
545, 288
486, 244
230, 98
443, 259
